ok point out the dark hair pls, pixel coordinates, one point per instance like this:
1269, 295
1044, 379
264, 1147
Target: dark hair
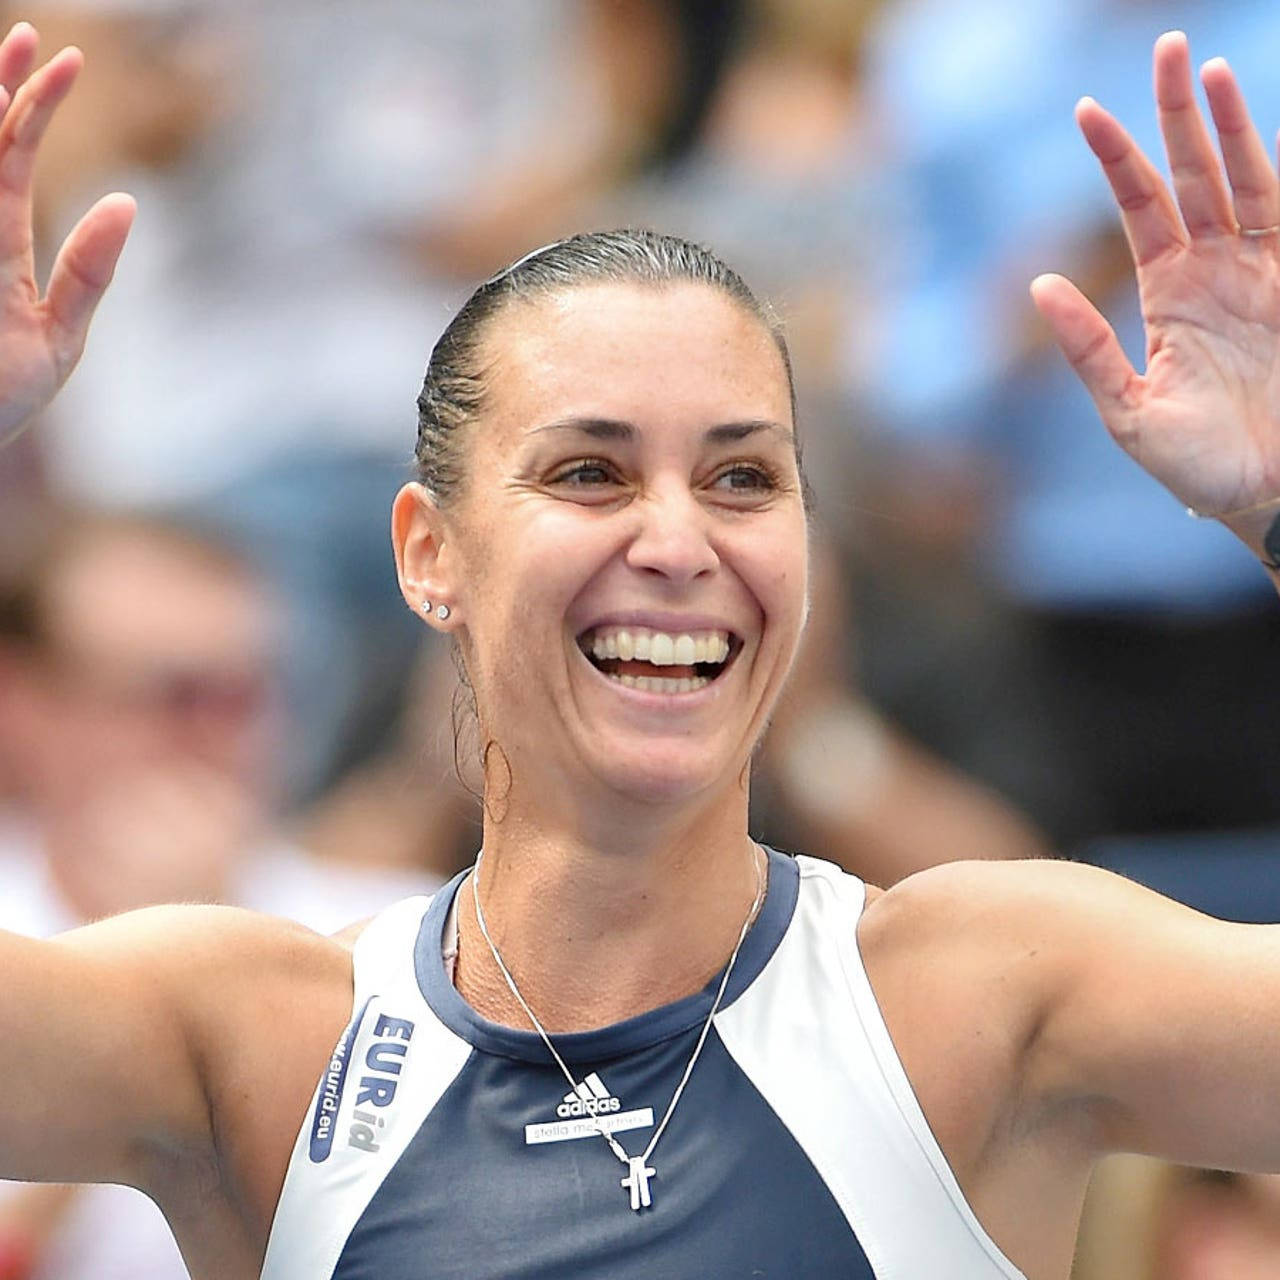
453, 392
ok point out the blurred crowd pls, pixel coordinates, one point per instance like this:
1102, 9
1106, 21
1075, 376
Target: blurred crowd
1020, 646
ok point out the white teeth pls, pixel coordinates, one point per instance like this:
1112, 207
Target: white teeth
661, 648
663, 684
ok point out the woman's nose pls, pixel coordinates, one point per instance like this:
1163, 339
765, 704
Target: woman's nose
674, 537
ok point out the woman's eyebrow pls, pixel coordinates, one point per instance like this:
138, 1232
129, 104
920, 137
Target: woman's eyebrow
730, 432
596, 428
617, 429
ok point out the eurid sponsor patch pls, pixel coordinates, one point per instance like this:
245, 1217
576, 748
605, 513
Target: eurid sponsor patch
382, 1064
598, 1109
330, 1099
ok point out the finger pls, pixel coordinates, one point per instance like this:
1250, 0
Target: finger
33, 106
21, 130
17, 55
83, 269
1197, 175
1255, 190
1150, 217
1090, 345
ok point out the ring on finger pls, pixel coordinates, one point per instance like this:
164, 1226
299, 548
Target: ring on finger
1255, 232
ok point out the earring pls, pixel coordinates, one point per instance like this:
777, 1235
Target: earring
442, 612
425, 606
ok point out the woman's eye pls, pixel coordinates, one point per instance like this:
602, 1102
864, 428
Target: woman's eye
585, 475
744, 479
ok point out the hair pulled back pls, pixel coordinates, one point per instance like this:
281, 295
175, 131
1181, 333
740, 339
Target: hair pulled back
453, 392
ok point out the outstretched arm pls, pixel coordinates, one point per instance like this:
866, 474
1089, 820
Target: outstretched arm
41, 338
96, 1054
1204, 416
145, 1046
1127, 1022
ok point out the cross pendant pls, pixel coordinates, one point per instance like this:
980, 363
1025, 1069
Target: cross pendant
637, 1180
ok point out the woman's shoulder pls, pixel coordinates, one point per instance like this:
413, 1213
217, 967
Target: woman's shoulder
193, 935
1005, 934
219, 970
985, 899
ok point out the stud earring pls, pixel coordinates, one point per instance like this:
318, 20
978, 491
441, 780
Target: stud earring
442, 612
425, 606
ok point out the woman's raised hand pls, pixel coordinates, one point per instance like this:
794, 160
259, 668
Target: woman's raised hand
1204, 418
41, 338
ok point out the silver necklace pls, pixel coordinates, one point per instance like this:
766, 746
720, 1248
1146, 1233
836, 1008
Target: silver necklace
639, 1171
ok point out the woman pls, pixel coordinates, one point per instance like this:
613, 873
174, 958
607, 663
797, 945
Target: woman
631, 1042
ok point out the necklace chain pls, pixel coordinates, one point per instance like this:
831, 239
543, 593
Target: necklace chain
638, 1177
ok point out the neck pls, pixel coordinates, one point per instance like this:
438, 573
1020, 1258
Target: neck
594, 933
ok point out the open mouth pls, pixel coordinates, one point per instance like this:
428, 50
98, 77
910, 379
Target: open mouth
659, 661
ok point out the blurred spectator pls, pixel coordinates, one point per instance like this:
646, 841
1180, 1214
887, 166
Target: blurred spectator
139, 719
138, 708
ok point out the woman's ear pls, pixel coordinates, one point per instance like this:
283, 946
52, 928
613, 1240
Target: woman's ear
423, 557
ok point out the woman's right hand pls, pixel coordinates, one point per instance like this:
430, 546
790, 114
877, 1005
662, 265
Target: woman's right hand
41, 338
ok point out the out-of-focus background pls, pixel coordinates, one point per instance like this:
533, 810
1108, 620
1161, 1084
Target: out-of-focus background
1021, 646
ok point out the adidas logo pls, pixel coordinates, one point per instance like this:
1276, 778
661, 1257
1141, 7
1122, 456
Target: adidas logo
590, 1098
586, 1109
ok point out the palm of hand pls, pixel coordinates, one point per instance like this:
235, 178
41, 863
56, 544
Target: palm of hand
1204, 418
32, 370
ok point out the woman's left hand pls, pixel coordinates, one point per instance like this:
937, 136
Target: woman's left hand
1204, 418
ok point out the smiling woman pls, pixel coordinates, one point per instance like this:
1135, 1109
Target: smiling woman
629, 1041
619, 467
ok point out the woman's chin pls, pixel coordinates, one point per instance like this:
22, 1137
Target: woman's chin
654, 778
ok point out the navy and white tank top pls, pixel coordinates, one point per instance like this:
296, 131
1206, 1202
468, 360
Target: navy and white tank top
442, 1146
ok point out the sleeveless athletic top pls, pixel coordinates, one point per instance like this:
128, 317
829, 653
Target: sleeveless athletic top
441, 1146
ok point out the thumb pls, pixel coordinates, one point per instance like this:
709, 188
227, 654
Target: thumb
83, 269
1089, 343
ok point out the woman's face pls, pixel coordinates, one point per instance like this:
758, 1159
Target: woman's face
626, 561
